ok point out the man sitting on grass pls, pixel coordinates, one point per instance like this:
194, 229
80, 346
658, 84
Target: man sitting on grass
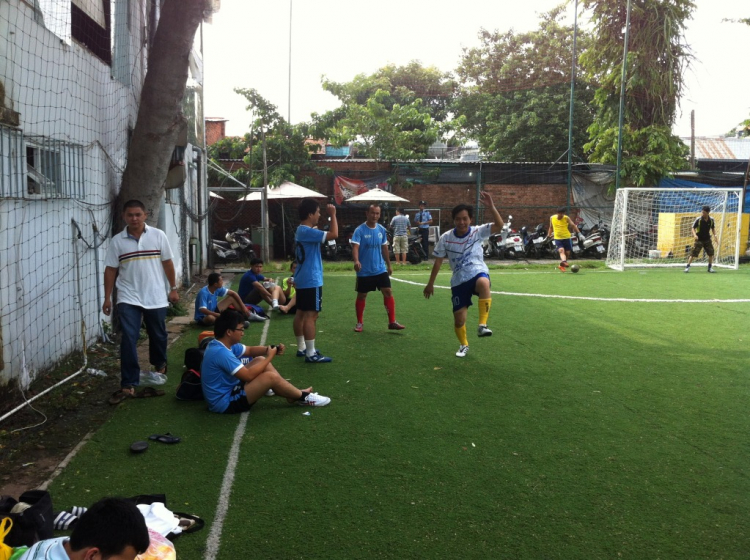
231, 387
254, 287
111, 528
207, 304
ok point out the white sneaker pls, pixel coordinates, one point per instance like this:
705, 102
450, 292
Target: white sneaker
483, 331
270, 393
255, 318
314, 399
462, 351
687, 269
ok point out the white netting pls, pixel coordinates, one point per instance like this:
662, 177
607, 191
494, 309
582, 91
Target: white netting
653, 227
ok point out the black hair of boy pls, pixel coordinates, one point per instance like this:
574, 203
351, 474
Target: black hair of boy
111, 525
227, 321
306, 207
255, 261
462, 207
213, 278
561, 210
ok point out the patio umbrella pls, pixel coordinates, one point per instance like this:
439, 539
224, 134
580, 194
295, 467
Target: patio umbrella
285, 191
376, 195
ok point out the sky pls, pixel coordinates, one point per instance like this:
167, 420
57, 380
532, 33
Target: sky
247, 46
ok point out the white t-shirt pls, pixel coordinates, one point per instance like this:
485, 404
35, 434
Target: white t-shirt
50, 549
465, 255
141, 280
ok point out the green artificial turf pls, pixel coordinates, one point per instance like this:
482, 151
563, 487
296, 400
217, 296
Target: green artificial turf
580, 429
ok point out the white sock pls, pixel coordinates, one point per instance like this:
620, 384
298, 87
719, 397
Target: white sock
274, 303
301, 343
310, 347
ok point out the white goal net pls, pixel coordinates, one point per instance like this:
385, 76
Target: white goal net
653, 227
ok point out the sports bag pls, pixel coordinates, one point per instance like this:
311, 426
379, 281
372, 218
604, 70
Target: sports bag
190, 387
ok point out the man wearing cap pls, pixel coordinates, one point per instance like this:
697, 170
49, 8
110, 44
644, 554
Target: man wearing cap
423, 219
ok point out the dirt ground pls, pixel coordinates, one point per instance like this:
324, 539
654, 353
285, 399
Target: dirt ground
35, 441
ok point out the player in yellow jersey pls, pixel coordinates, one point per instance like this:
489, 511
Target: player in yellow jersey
559, 227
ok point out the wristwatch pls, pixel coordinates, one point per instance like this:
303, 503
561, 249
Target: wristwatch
173, 289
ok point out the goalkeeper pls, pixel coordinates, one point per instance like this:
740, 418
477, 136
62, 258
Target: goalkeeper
702, 228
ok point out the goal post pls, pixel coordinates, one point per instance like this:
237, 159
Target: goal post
653, 227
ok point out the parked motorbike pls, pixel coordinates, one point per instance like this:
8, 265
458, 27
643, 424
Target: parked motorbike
591, 245
533, 242
240, 240
512, 243
224, 251
329, 250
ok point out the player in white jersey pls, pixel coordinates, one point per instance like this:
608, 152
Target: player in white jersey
462, 246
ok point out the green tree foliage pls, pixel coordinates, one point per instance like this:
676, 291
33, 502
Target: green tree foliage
657, 60
287, 154
515, 92
393, 114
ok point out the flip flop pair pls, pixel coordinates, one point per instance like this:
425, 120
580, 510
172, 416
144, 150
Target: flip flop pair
141, 446
121, 395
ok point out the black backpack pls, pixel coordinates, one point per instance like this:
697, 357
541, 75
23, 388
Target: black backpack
190, 388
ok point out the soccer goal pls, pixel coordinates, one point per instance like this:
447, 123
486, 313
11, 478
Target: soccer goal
653, 227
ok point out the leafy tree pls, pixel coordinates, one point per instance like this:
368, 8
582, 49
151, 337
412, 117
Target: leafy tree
393, 114
515, 92
656, 62
287, 154
160, 117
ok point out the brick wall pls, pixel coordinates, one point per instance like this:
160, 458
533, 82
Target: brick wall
215, 131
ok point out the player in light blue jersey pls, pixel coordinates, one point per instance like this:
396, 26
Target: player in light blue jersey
373, 266
462, 246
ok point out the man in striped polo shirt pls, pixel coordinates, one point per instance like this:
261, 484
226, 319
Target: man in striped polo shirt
139, 259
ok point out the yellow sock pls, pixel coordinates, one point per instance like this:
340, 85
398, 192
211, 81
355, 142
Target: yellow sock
484, 310
461, 335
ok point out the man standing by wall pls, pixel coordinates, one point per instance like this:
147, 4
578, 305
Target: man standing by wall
140, 260
400, 226
423, 219
373, 267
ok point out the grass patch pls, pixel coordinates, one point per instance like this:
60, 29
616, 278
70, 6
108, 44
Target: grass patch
580, 428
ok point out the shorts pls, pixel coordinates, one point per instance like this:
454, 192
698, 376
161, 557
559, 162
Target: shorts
400, 244
563, 244
253, 297
462, 293
371, 283
238, 400
707, 246
310, 299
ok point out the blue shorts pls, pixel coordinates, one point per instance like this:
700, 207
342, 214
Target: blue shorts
563, 244
463, 292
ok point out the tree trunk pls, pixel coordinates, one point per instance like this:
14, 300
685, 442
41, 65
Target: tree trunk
160, 117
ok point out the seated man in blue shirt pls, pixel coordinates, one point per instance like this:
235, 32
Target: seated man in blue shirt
254, 287
229, 386
207, 304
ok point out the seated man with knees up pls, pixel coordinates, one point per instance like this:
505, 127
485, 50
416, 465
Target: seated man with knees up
231, 387
207, 304
290, 291
111, 528
254, 287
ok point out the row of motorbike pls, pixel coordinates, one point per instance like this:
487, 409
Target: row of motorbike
510, 243
237, 245
334, 250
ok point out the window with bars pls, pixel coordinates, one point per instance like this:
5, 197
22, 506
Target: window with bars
36, 166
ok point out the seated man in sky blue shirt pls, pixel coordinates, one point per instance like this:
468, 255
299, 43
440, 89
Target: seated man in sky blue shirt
207, 304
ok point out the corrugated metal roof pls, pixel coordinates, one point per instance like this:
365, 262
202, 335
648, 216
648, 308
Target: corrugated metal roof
721, 148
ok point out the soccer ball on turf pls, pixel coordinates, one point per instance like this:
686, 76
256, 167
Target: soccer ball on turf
575, 268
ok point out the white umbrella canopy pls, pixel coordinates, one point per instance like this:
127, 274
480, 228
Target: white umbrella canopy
285, 190
376, 195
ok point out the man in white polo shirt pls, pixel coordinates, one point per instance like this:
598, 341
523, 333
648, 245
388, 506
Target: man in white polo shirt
140, 259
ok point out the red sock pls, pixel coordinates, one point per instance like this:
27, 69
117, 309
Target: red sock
390, 307
359, 305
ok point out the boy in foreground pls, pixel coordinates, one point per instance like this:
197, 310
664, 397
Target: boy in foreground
112, 528
462, 246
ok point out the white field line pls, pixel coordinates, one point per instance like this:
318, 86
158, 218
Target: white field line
585, 298
214, 537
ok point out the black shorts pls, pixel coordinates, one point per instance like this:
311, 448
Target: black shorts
238, 402
253, 297
310, 299
366, 284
